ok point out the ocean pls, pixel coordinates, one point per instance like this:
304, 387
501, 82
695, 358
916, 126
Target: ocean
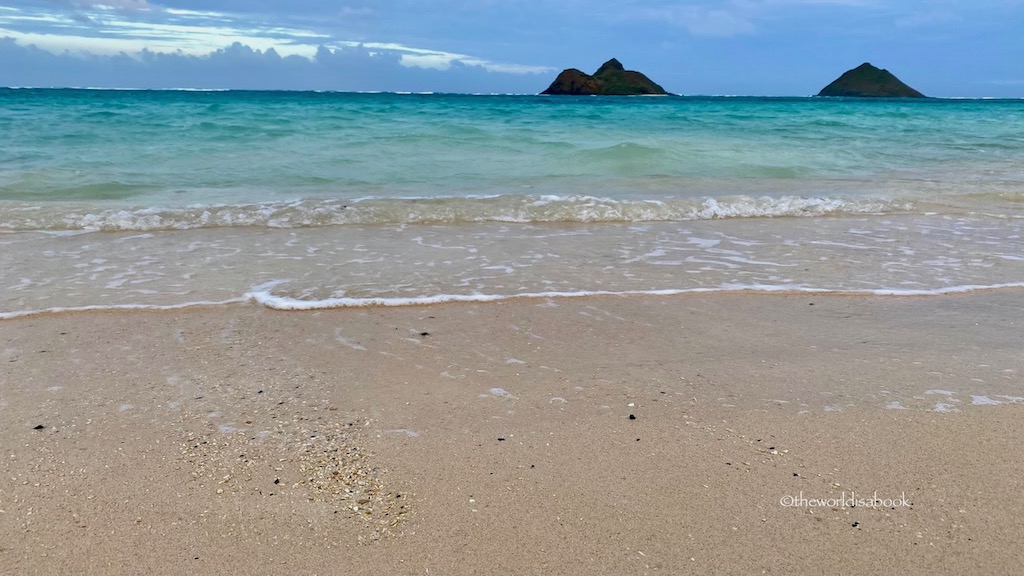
115, 199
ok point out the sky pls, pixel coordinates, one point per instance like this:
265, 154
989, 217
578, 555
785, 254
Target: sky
944, 48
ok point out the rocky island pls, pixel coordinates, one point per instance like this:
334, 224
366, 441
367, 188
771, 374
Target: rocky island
611, 79
867, 81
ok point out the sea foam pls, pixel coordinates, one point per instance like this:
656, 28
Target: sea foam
435, 210
265, 297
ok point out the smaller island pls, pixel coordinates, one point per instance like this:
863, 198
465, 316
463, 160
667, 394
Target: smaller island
611, 79
867, 81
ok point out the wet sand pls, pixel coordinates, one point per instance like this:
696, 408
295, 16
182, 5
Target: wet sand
578, 436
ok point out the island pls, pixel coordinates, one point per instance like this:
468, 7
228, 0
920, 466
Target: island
867, 81
611, 79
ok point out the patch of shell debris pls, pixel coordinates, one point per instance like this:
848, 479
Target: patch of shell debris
334, 468
319, 456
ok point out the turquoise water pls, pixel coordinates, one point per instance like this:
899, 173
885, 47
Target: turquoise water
307, 200
171, 149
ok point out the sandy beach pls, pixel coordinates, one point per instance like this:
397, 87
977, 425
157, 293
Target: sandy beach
602, 435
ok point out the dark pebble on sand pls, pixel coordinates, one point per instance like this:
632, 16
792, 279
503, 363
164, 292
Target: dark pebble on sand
501, 438
277, 480
855, 524
38, 427
632, 416
424, 333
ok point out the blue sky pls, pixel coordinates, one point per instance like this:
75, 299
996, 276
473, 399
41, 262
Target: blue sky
753, 47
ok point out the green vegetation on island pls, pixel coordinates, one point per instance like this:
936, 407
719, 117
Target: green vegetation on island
867, 81
611, 79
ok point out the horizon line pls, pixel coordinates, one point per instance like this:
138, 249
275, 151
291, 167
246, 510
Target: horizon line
438, 93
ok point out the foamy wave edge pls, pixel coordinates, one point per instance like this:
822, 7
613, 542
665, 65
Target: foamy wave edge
448, 210
267, 299
122, 307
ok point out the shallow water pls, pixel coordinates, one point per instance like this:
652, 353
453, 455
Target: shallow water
311, 200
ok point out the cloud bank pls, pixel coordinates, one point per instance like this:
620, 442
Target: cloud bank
137, 44
241, 67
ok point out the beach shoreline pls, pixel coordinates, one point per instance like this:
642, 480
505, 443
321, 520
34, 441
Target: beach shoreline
604, 434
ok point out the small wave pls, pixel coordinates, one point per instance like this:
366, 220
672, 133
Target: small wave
266, 298
445, 210
119, 307
263, 296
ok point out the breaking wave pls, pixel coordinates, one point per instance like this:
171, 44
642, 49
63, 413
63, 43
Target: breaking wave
448, 210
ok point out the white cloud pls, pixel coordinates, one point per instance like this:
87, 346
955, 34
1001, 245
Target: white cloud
241, 67
106, 31
436, 61
440, 60
116, 35
114, 4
